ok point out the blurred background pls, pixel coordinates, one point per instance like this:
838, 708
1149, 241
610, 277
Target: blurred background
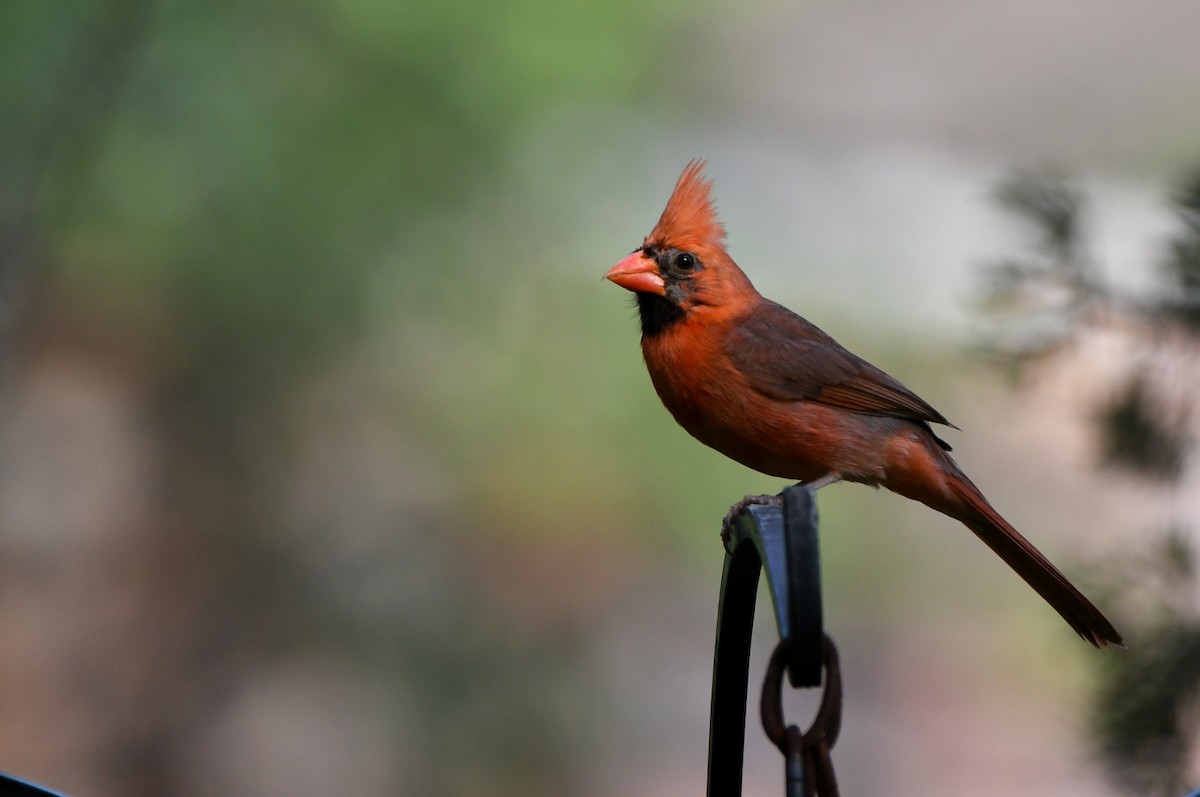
329, 465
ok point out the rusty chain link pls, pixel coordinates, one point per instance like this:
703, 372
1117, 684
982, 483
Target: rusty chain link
808, 766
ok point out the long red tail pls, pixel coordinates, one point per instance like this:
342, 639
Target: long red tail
1029, 563
923, 471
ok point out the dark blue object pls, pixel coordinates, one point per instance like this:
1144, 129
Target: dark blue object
783, 541
15, 787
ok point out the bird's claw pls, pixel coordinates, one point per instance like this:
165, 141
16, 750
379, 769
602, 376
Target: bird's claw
738, 508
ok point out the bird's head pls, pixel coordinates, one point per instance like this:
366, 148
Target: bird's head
682, 270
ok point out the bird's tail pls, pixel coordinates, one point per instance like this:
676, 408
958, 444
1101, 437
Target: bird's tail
1020, 554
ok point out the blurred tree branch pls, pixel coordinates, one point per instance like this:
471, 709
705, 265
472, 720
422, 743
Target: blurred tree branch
64, 103
1045, 301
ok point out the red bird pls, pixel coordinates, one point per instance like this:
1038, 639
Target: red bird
762, 385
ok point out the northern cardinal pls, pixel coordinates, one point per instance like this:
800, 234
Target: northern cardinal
763, 386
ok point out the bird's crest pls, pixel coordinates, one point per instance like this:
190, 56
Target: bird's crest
689, 221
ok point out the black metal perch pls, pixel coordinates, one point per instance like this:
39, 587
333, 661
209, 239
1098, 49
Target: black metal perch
782, 539
15, 787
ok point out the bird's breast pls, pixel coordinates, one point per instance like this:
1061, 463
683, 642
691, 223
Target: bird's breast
710, 398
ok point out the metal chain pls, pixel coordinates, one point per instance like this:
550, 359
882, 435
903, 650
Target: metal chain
807, 763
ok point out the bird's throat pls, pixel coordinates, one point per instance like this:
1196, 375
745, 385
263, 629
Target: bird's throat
658, 314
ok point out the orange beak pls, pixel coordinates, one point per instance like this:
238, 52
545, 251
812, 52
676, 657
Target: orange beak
637, 273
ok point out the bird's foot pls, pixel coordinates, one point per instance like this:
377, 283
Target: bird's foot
736, 509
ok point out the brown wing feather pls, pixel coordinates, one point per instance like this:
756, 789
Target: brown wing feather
788, 358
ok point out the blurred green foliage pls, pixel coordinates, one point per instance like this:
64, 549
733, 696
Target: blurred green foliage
248, 167
300, 215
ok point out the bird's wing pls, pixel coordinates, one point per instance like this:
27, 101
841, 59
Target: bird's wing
787, 358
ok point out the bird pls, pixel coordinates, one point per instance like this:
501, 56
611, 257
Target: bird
762, 385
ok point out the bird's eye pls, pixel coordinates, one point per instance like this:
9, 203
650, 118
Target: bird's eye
685, 261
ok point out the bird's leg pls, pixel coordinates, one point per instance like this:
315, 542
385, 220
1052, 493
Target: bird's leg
736, 509
824, 481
